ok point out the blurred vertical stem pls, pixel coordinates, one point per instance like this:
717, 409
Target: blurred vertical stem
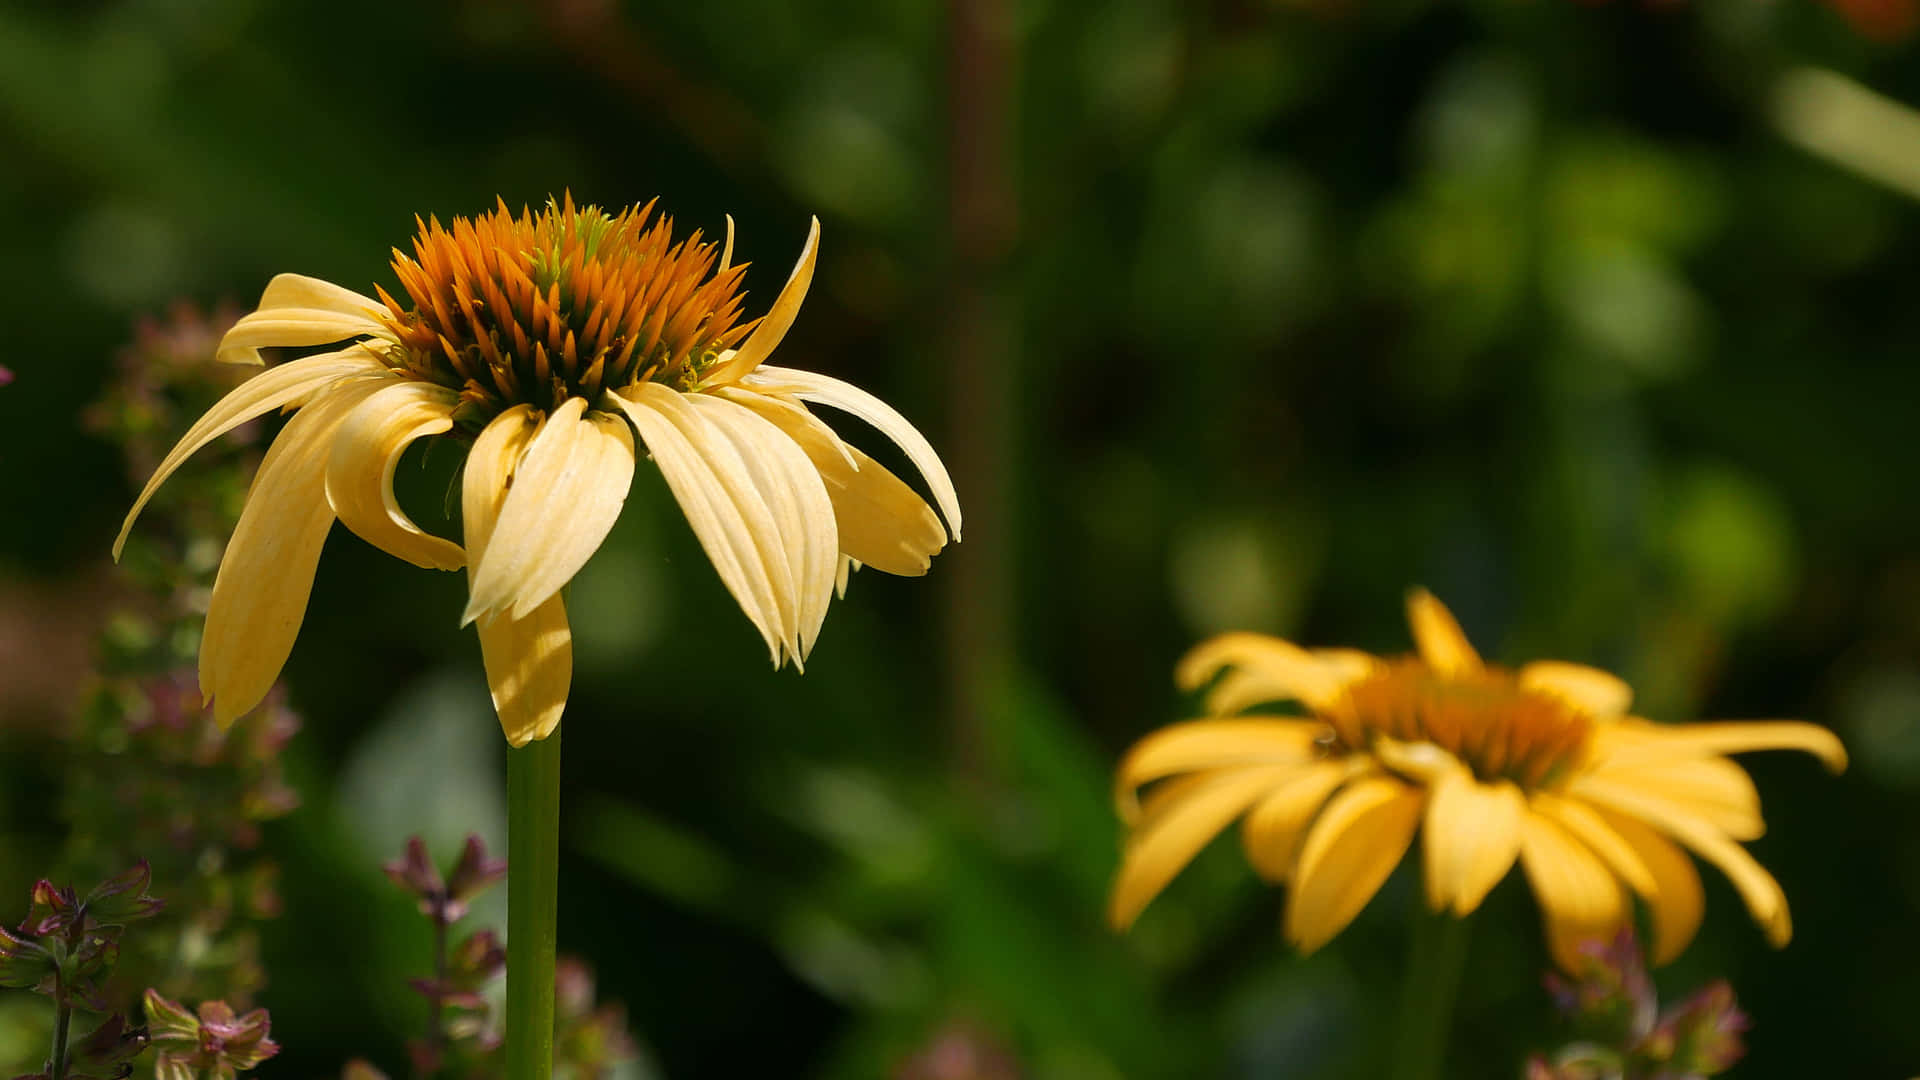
533, 888
63, 1021
1439, 954
979, 331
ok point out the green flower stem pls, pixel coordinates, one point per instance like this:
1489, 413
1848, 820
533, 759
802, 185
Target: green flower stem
1439, 955
63, 1020
533, 880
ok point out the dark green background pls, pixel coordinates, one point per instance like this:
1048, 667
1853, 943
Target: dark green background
1226, 314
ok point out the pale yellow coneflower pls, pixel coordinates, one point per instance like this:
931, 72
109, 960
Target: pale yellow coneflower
1542, 765
562, 345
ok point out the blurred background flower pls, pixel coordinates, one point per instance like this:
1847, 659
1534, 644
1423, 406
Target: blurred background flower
1225, 315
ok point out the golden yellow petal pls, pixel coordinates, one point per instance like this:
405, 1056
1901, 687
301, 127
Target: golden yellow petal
1277, 824
301, 291
260, 593
714, 506
813, 387
1177, 833
1588, 827
360, 470
1264, 669
1743, 736
1472, 835
779, 318
1599, 693
880, 520
1579, 898
1762, 894
1205, 744
1677, 901
566, 495
1437, 635
529, 669
488, 474
1355, 843
1713, 788
291, 383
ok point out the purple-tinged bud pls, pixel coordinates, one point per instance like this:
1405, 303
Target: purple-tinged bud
477, 960
123, 898
474, 873
572, 988
1611, 996
169, 1021
1700, 1036
6, 376
53, 910
215, 1041
416, 873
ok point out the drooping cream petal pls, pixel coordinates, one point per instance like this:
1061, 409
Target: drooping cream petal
1678, 902
1357, 840
1264, 669
286, 384
566, 495
791, 487
1437, 635
779, 318
529, 661
880, 520
1277, 824
260, 593
1578, 897
297, 310
1174, 836
809, 386
1599, 693
360, 470
1204, 744
1471, 837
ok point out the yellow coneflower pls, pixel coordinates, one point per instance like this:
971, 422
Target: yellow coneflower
560, 344
1541, 765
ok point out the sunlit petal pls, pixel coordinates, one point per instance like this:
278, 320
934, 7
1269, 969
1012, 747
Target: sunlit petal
1175, 836
1678, 902
291, 383
1262, 669
360, 470
1442, 644
779, 318
260, 593
1277, 824
1471, 837
566, 495
1601, 693
1355, 843
1201, 744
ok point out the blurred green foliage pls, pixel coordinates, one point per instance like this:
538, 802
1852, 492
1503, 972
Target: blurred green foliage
1284, 308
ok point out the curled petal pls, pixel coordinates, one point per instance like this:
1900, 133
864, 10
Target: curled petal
296, 310
1359, 837
809, 386
1712, 788
260, 593
1437, 634
292, 383
779, 318
529, 669
1638, 737
360, 470
566, 495
1588, 826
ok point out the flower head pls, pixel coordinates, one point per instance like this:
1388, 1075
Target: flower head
1542, 765
559, 345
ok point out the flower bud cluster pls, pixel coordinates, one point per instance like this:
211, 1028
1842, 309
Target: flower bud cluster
1625, 1035
214, 1044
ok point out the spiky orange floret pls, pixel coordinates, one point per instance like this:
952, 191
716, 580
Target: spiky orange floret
537, 308
1498, 728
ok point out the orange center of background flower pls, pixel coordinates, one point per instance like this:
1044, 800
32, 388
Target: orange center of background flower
537, 308
1496, 727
